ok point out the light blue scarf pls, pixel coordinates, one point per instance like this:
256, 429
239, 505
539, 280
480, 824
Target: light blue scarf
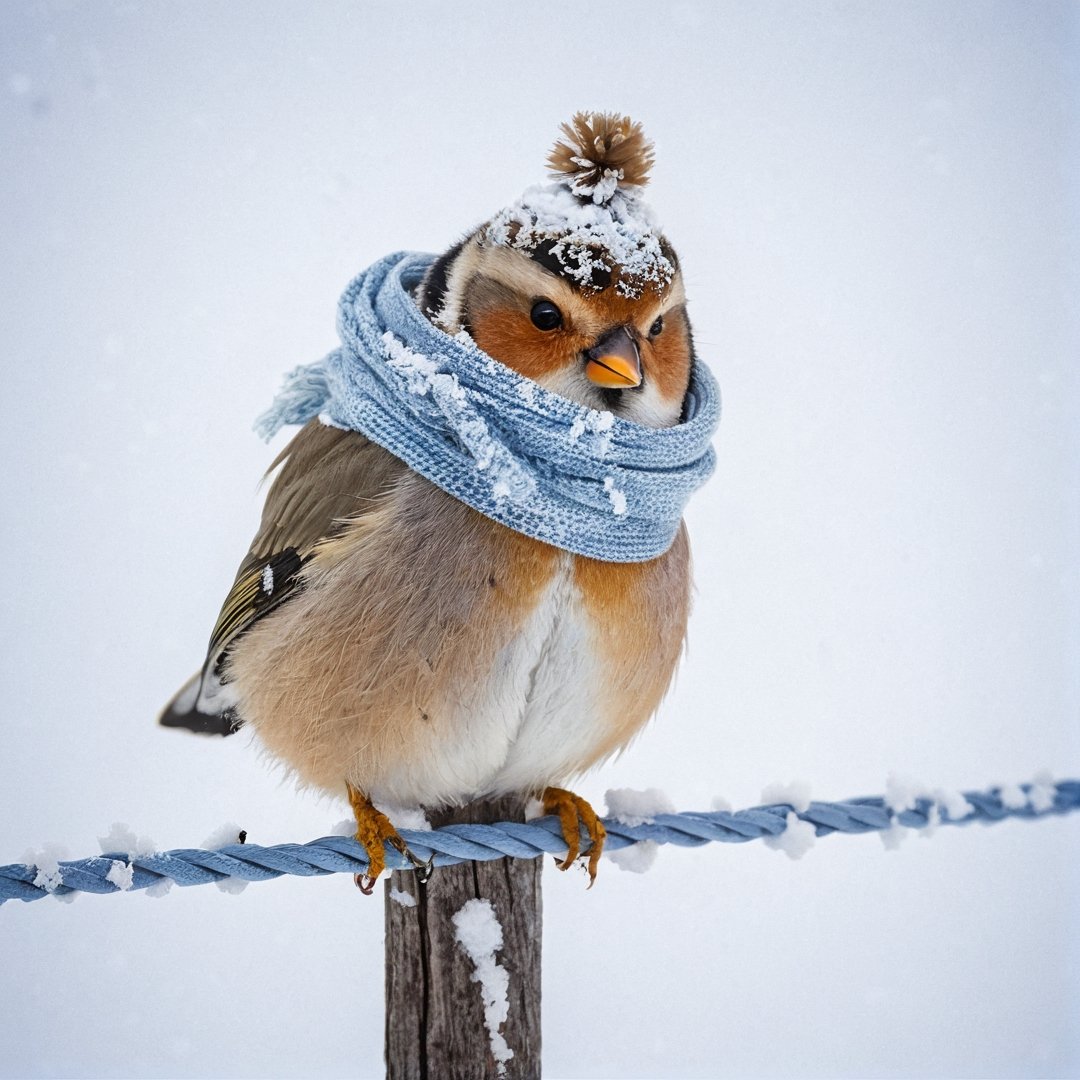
582, 480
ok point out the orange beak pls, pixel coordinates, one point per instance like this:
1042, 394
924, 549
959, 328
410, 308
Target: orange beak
614, 362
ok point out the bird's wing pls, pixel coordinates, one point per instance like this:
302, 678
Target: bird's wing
328, 477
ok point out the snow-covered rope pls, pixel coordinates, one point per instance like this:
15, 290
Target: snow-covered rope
117, 872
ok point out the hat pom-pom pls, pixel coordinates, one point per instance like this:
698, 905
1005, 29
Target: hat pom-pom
600, 152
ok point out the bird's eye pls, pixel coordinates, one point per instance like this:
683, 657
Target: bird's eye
656, 326
545, 315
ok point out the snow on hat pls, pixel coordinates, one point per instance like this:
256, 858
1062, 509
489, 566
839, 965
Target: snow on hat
591, 220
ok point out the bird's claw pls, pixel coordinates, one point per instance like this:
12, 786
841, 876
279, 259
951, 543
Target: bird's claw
423, 869
573, 812
374, 830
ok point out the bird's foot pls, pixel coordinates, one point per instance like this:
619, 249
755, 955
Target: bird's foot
374, 829
573, 812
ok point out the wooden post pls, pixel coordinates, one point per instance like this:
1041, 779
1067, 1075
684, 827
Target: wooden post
434, 1009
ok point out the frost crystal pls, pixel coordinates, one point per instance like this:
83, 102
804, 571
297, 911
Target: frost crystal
222, 836
479, 933
617, 497
121, 838
1012, 797
637, 858
597, 423
903, 793
268, 579
418, 370
46, 862
796, 795
893, 836
1042, 792
953, 803
121, 874
423, 377
632, 807
933, 820
797, 838
405, 817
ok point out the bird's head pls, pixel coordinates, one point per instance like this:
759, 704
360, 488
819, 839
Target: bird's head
574, 286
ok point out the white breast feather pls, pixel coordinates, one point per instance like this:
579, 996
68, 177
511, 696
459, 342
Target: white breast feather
529, 725
559, 726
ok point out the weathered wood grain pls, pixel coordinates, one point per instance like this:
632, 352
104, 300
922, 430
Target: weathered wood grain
434, 1011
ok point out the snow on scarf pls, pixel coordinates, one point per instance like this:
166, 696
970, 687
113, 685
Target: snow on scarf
582, 480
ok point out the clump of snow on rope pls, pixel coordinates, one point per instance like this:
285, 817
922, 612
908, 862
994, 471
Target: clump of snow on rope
632, 807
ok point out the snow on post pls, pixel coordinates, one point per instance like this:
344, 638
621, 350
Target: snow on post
479, 933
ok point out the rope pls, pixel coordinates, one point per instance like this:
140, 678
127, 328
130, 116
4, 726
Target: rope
113, 871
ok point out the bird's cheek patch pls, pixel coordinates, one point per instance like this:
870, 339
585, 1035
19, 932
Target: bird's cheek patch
510, 338
667, 360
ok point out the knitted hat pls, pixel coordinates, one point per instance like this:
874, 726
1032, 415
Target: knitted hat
591, 222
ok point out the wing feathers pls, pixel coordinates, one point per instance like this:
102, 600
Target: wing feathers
328, 478
260, 586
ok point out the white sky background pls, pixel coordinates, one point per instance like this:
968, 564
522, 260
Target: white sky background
876, 209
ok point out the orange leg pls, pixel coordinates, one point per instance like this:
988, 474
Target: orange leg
373, 830
573, 812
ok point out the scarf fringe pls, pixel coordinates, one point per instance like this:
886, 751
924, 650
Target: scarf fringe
302, 395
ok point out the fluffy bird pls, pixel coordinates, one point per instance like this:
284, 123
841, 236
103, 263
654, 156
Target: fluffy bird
384, 638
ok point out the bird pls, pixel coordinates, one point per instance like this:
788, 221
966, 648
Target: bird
386, 640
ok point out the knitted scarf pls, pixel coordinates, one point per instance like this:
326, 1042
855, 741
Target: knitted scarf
580, 479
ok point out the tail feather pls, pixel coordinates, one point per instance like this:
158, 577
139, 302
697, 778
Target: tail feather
202, 705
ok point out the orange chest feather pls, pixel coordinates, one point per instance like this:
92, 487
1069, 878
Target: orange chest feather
636, 612
611, 593
437, 579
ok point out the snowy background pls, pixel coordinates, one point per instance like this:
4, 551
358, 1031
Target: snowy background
876, 208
